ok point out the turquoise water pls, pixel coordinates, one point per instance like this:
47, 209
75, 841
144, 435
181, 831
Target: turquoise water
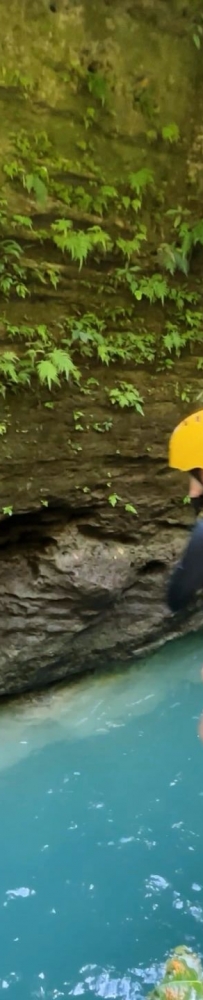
101, 858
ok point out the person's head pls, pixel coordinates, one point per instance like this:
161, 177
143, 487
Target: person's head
196, 489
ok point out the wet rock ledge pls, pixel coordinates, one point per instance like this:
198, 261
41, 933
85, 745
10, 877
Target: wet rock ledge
82, 583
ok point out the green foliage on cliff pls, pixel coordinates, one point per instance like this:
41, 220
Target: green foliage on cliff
94, 224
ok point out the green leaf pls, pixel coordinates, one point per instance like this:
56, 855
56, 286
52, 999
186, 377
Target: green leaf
141, 179
78, 242
97, 86
99, 238
63, 364
54, 276
12, 169
186, 237
136, 204
130, 509
129, 247
113, 499
81, 144
8, 362
173, 341
166, 255
103, 353
42, 332
22, 291
34, 183
177, 221
170, 133
47, 373
196, 41
126, 395
23, 375
23, 220
126, 201
90, 113
152, 288
11, 248
5, 285
62, 226
92, 381
108, 191
197, 233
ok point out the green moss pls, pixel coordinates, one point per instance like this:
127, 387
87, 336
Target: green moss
99, 226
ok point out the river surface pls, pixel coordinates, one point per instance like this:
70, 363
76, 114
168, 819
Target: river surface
101, 807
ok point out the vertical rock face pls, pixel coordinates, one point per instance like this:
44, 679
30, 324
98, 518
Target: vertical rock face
100, 325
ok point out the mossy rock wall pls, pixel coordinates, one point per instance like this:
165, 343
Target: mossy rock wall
100, 138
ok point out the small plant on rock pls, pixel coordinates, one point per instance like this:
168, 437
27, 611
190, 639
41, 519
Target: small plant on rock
126, 395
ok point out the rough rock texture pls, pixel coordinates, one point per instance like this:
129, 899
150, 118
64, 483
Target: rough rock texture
82, 585
81, 582
76, 603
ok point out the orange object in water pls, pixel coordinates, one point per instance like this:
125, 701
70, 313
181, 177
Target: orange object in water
186, 444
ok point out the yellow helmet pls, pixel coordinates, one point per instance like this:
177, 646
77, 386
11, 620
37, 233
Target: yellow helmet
186, 444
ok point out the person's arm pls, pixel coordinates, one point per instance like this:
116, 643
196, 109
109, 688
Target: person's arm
187, 577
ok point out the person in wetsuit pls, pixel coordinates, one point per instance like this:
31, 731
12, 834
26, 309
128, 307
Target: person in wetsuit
187, 577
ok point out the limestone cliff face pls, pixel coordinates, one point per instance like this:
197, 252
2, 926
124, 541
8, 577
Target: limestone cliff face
82, 585
91, 519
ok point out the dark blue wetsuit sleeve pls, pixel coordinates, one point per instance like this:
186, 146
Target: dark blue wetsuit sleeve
187, 577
